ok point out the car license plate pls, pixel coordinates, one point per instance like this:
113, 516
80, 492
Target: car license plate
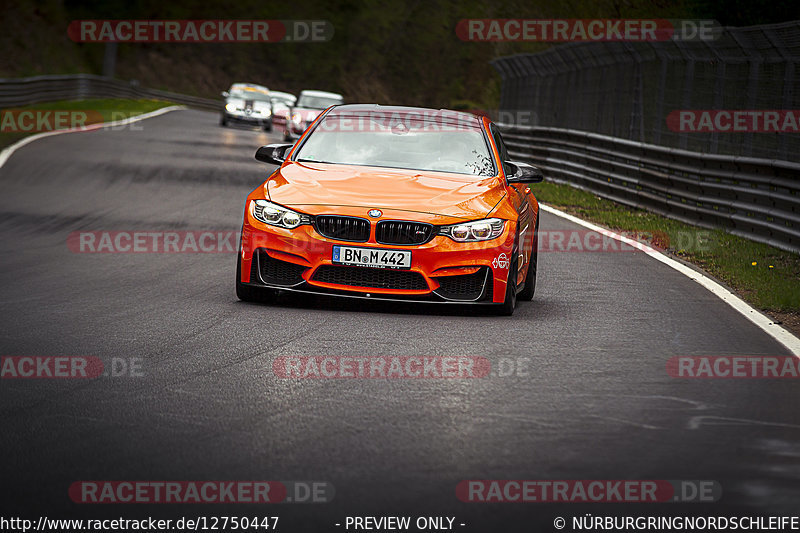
371, 257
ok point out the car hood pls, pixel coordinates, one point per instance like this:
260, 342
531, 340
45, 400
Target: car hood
312, 187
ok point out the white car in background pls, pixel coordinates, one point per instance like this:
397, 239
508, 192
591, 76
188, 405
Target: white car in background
308, 107
247, 103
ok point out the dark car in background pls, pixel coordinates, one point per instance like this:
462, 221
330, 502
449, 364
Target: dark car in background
282, 104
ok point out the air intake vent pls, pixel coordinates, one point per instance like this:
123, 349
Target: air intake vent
380, 278
466, 287
403, 233
342, 228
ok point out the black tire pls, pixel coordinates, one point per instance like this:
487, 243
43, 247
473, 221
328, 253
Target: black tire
286, 137
267, 126
248, 293
223, 121
510, 303
526, 294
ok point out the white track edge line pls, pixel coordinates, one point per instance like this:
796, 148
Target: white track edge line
9, 151
766, 324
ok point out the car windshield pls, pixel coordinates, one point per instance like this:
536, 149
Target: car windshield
249, 94
317, 102
411, 144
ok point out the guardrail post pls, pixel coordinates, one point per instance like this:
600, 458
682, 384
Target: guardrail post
719, 95
110, 60
636, 126
83, 89
659, 119
788, 84
688, 86
754, 61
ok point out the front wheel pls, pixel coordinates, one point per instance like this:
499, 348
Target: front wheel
530, 278
526, 295
223, 121
510, 303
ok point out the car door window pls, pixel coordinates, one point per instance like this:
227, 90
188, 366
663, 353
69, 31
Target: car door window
501, 148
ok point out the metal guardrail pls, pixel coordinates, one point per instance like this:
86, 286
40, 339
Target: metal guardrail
755, 198
15, 92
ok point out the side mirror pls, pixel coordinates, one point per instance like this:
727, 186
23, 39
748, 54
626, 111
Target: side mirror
225, 94
523, 173
273, 153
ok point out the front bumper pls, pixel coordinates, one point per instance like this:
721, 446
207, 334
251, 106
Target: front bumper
442, 270
245, 118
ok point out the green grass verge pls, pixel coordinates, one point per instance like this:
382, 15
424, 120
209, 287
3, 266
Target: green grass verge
109, 109
766, 277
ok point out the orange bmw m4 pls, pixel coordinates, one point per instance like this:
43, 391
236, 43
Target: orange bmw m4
396, 203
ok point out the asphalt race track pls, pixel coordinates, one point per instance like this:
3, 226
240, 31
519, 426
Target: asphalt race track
596, 402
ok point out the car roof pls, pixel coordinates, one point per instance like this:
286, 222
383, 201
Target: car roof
435, 115
279, 94
252, 86
326, 94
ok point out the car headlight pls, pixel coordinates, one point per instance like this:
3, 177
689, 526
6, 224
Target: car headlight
277, 215
230, 107
297, 118
477, 230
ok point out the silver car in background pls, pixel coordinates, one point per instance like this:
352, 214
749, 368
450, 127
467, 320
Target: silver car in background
247, 103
